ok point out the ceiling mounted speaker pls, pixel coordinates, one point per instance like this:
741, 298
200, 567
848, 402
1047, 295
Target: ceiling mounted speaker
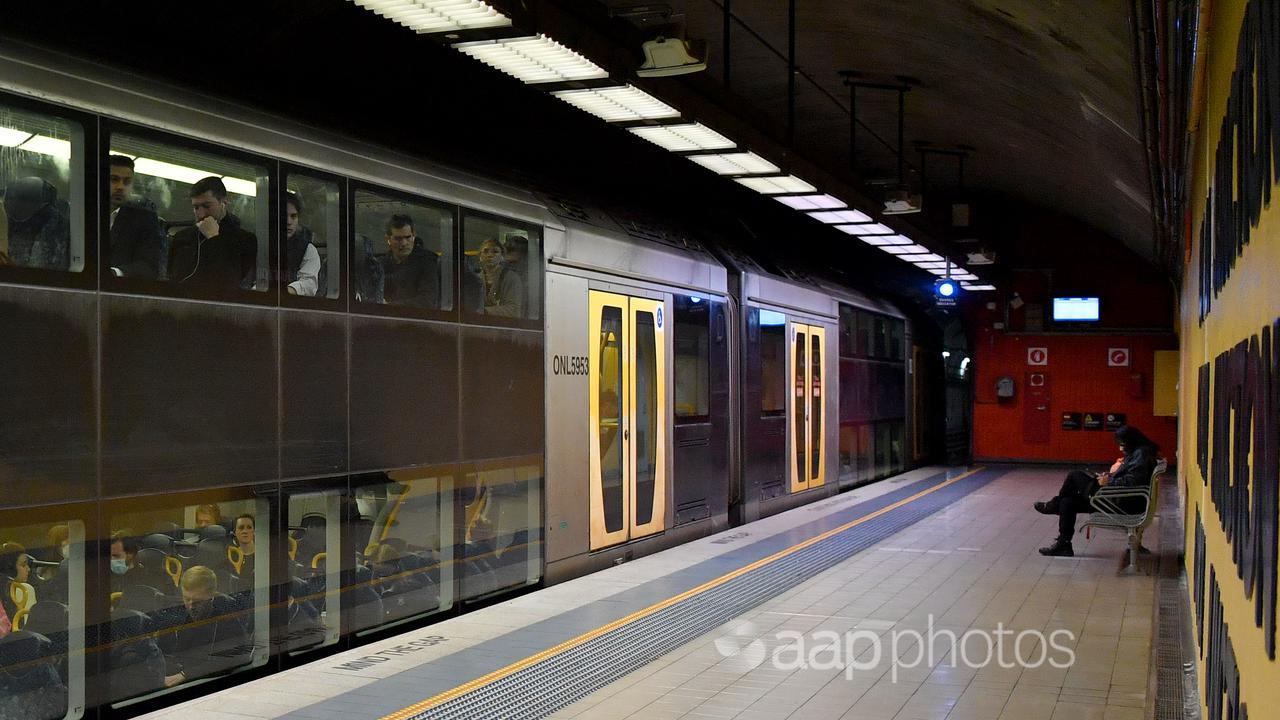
669, 56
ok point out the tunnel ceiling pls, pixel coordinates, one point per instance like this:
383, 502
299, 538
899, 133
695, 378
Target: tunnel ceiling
1045, 91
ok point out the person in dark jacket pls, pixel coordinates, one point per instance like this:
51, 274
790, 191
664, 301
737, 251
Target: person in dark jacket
138, 241
38, 229
302, 260
1132, 470
217, 254
212, 639
411, 275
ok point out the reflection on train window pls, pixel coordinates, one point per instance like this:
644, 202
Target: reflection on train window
41, 620
881, 337
312, 236
404, 527
865, 330
611, 411
403, 252
693, 359
773, 364
501, 268
848, 331
502, 538
896, 328
313, 593
187, 216
41, 170
188, 593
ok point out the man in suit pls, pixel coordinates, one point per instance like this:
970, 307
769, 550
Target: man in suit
137, 235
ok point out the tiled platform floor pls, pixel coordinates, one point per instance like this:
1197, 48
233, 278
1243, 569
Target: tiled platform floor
972, 566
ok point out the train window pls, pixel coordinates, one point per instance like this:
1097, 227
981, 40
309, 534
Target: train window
188, 216
403, 533
693, 359
863, 333
848, 331
773, 364
502, 534
314, 592
42, 172
41, 618
188, 593
501, 268
896, 328
403, 252
881, 337
312, 235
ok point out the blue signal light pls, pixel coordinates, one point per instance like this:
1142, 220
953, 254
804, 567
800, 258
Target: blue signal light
946, 289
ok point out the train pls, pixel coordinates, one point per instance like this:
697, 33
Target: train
269, 392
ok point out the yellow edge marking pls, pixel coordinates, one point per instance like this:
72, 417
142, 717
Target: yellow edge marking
589, 636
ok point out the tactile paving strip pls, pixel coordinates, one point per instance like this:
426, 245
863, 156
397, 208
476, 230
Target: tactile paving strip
541, 689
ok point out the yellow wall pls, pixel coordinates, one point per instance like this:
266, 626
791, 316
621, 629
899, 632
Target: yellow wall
1249, 301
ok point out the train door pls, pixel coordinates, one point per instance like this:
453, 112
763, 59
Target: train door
808, 457
628, 417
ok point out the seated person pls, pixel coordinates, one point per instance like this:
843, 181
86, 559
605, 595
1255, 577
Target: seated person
212, 639
503, 288
38, 231
301, 257
246, 540
410, 274
138, 239
1133, 470
15, 570
207, 515
124, 550
517, 255
216, 254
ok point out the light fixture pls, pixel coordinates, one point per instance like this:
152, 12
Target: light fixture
937, 271
189, 176
923, 257
618, 104
840, 216
977, 288
964, 276
930, 265
904, 249
880, 240
684, 138
810, 202
866, 229
946, 289
241, 187
12, 138
46, 145
743, 163
533, 59
433, 16
777, 185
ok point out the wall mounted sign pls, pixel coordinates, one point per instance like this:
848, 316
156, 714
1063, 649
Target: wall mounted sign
1093, 421
1117, 357
1070, 421
1113, 421
1037, 356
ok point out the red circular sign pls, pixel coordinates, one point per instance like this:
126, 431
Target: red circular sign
1119, 357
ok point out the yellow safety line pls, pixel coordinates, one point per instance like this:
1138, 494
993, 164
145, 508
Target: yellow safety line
588, 636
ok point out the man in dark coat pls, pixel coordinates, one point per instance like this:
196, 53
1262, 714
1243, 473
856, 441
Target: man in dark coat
215, 255
138, 241
38, 229
411, 275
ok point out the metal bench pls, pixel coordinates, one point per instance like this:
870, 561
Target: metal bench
1109, 511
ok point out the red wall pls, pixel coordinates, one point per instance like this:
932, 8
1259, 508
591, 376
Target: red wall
1079, 380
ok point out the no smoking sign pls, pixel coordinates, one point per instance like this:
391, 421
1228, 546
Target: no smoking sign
1037, 356
1118, 357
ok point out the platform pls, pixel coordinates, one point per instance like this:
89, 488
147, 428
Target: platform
694, 632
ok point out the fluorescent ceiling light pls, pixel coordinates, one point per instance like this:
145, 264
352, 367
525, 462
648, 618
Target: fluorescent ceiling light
924, 257
190, 176
46, 145
879, 240
811, 202
977, 288
778, 185
618, 104
936, 271
11, 138
925, 265
684, 138
840, 216
964, 276
904, 249
743, 163
431, 16
867, 229
533, 59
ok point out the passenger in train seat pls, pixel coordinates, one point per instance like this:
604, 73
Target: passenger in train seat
217, 253
517, 255
38, 229
411, 275
1134, 469
207, 515
212, 639
15, 576
246, 540
138, 240
302, 258
503, 288
124, 550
